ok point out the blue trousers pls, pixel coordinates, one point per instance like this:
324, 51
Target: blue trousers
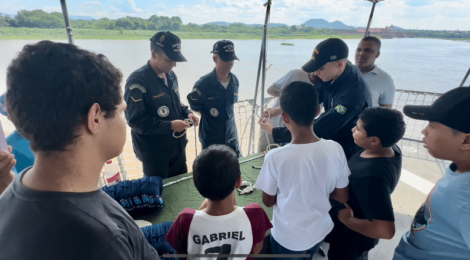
276, 248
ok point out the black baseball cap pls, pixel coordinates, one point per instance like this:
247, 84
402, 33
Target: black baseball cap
329, 50
171, 45
225, 49
452, 109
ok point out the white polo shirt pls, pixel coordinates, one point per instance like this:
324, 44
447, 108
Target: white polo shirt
382, 89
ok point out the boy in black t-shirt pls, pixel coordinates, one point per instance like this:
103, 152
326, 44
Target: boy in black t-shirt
375, 171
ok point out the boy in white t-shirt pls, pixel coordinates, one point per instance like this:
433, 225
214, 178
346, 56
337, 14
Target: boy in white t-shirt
300, 178
219, 226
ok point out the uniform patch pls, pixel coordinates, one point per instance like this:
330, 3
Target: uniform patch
178, 89
160, 95
163, 111
214, 112
197, 91
235, 94
137, 86
136, 100
341, 109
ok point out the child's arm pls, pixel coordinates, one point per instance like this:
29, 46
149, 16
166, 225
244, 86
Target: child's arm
379, 229
341, 195
269, 200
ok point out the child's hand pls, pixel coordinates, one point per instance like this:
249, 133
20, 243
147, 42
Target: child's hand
204, 204
345, 214
7, 161
266, 125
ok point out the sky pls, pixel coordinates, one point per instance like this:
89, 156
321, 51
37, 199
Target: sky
409, 14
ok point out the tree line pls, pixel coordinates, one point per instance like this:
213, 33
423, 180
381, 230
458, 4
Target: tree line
44, 20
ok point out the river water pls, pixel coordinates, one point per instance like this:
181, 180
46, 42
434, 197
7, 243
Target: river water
414, 64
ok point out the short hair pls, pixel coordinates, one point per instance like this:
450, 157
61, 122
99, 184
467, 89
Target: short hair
372, 39
385, 123
50, 89
300, 101
215, 172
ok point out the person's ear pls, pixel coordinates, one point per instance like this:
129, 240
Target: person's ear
378, 54
466, 142
94, 118
238, 183
154, 55
214, 58
285, 118
375, 141
319, 111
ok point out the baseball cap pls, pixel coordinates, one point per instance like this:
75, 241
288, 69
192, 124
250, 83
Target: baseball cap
3, 107
171, 45
452, 109
225, 49
329, 50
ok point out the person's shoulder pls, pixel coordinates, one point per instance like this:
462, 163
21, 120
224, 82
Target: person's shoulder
202, 81
382, 73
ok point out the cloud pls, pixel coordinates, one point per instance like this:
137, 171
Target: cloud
51, 9
160, 6
96, 3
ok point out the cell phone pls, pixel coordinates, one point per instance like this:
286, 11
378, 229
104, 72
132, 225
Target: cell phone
3, 140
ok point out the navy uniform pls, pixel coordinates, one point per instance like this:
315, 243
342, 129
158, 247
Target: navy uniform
152, 103
216, 103
343, 99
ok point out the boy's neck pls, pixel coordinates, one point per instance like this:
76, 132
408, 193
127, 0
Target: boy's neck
303, 135
463, 165
221, 207
222, 77
378, 152
70, 171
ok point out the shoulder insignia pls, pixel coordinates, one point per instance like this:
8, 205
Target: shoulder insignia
197, 91
178, 89
341, 109
235, 94
134, 86
136, 100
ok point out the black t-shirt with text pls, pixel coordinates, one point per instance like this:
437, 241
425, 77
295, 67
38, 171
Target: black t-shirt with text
371, 183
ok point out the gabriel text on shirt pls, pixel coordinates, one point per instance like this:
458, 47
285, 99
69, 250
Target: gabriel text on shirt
218, 237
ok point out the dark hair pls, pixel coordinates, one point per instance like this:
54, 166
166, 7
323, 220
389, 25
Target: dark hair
372, 39
215, 172
300, 101
385, 123
51, 87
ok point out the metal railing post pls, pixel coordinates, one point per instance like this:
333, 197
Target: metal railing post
68, 27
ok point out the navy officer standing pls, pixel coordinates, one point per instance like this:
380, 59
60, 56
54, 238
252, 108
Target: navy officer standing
343, 92
155, 112
214, 95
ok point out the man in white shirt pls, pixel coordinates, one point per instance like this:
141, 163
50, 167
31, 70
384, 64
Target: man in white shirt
275, 90
381, 85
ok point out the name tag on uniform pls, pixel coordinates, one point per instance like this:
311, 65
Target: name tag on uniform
160, 95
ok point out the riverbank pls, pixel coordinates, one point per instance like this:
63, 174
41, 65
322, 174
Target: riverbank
101, 34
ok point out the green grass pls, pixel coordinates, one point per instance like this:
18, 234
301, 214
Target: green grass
60, 34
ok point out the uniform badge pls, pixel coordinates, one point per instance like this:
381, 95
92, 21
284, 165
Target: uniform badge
137, 86
163, 111
341, 109
214, 112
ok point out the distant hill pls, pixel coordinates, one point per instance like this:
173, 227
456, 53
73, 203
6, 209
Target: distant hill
81, 17
322, 23
251, 25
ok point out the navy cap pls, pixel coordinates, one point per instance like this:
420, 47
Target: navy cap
171, 45
226, 50
452, 109
329, 50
